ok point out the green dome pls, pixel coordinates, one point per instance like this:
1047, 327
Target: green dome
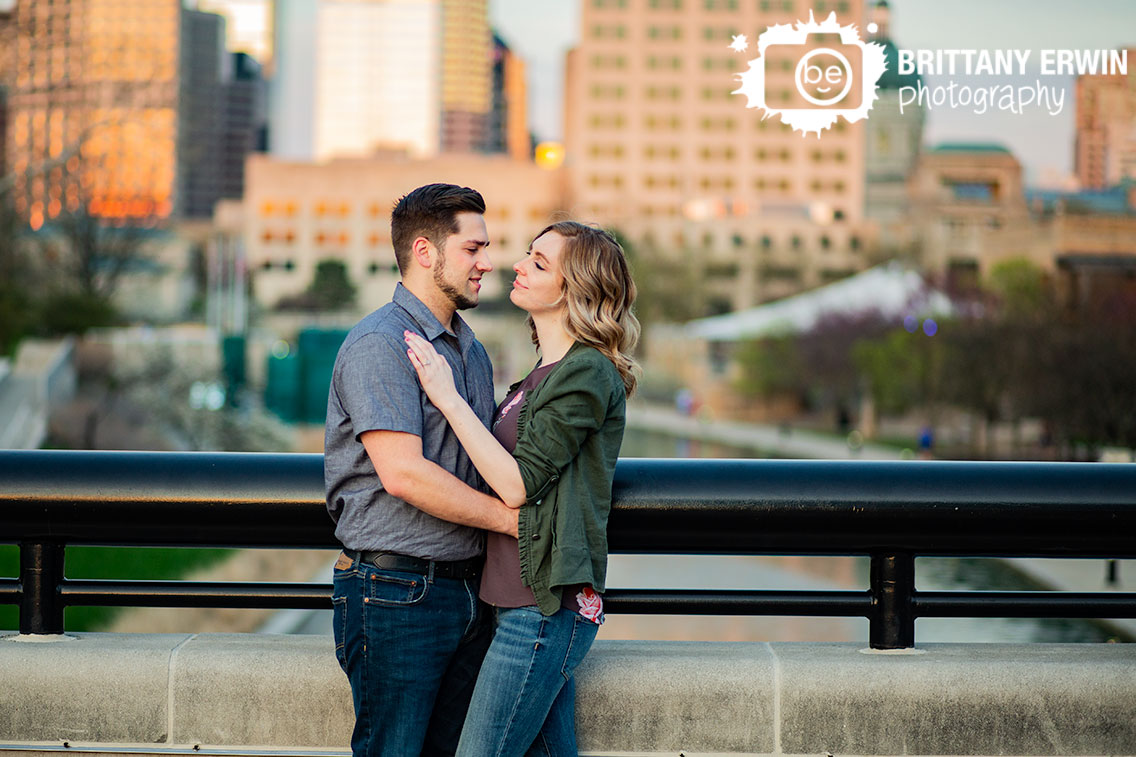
892, 79
970, 147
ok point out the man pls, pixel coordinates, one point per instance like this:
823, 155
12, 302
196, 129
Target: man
404, 495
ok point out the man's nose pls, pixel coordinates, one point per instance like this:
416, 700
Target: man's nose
483, 263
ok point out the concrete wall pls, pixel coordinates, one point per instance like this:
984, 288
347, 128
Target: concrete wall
157, 694
42, 379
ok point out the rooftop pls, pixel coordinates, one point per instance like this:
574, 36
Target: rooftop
891, 289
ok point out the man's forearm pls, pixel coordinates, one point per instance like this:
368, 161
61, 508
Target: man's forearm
432, 489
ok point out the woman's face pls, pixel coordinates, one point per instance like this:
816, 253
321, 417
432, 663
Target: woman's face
539, 286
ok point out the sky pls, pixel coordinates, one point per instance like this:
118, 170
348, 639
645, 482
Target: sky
543, 31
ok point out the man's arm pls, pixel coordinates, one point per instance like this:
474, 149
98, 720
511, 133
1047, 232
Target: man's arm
406, 474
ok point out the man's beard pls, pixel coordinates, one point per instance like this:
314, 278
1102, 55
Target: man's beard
460, 300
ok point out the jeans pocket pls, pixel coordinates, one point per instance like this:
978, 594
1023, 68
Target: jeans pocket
583, 635
386, 589
339, 629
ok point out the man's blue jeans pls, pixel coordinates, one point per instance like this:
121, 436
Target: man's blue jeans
411, 645
525, 700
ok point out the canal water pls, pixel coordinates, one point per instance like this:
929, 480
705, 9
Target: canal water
811, 573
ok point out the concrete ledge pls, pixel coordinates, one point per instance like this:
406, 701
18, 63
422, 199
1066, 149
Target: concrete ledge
255, 694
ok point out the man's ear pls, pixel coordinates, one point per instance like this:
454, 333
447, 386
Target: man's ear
423, 252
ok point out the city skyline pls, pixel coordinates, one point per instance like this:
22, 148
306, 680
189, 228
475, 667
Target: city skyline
543, 33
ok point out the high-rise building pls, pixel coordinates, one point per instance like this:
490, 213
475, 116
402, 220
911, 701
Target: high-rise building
893, 139
245, 120
508, 130
1106, 127
248, 25
93, 95
355, 76
352, 77
658, 146
467, 74
115, 106
200, 112
3, 135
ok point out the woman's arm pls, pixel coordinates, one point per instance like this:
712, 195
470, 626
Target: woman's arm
492, 461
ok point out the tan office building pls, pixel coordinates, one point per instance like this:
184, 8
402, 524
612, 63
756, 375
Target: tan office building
658, 147
296, 214
1106, 128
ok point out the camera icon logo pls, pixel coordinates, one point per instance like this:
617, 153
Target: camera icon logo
812, 74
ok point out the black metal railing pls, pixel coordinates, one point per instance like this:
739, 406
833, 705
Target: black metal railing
889, 511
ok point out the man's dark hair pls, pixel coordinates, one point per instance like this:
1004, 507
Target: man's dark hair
431, 212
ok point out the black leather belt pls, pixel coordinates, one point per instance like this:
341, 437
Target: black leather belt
470, 568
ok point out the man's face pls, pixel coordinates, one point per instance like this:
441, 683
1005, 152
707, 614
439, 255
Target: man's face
462, 260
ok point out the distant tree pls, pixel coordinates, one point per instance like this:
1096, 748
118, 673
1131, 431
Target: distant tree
1020, 289
1082, 382
901, 369
331, 289
770, 366
668, 291
826, 355
16, 304
95, 253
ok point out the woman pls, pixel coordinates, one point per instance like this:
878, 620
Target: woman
551, 452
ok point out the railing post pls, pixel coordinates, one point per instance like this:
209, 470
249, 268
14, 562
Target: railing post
41, 573
892, 622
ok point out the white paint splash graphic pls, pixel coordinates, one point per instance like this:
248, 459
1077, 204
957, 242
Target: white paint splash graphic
822, 115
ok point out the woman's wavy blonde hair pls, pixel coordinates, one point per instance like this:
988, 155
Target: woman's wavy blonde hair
599, 292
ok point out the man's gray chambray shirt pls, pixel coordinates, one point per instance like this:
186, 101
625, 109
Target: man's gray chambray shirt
374, 387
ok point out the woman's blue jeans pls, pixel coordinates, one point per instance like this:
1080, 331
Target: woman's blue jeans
524, 702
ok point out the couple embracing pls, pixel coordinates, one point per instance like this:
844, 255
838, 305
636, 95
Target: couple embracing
475, 535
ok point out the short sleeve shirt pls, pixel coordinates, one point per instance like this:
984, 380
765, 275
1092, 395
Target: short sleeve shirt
374, 388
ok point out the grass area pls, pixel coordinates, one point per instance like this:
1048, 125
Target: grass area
109, 562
